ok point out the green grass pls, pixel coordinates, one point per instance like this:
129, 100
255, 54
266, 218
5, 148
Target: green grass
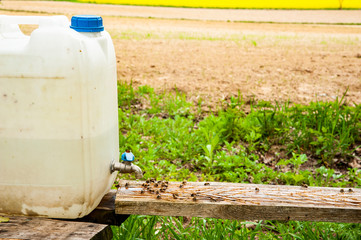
154, 227
254, 39
174, 139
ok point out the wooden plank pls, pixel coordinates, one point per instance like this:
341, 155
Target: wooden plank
241, 201
105, 212
20, 227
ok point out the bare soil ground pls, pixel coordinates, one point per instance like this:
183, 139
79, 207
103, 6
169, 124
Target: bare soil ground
214, 60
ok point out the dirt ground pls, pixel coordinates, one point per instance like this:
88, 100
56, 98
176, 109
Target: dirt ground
213, 60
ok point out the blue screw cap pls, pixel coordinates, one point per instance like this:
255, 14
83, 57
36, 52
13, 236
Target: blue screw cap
87, 23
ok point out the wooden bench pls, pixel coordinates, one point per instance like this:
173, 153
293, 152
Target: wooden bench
195, 199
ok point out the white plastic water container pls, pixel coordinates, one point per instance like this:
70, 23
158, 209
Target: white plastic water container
58, 115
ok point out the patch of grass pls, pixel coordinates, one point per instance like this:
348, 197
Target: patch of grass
135, 35
145, 35
326, 129
154, 227
168, 128
173, 139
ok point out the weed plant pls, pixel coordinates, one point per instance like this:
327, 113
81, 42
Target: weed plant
174, 140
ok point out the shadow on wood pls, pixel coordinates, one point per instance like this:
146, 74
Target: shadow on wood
105, 212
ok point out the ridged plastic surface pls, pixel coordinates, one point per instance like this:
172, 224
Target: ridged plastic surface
58, 118
87, 23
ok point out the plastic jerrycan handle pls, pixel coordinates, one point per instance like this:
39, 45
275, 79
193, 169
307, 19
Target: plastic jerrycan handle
36, 20
10, 24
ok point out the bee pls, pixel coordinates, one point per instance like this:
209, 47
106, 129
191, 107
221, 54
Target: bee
117, 185
257, 189
152, 180
126, 185
193, 194
180, 186
166, 182
148, 181
155, 184
142, 191
206, 184
350, 190
304, 185
194, 199
184, 182
162, 189
159, 196
175, 196
144, 185
151, 191
342, 191
157, 192
148, 188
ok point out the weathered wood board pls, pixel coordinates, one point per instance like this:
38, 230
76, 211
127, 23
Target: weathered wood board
240, 201
20, 227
